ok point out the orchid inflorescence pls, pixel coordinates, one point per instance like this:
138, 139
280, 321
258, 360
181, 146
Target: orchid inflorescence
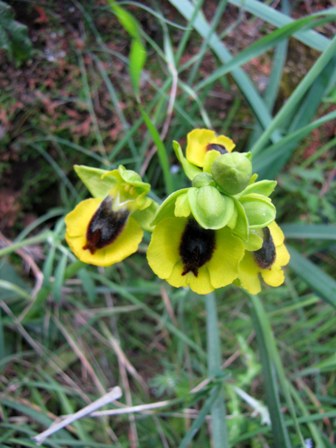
219, 231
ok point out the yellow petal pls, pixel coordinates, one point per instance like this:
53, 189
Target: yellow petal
223, 141
273, 277
163, 249
200, 284
197, 142
282, 256
125, 244
249, 274
78, 219
277, 234
176, 278
223, 266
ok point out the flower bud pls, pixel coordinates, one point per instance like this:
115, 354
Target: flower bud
232, 172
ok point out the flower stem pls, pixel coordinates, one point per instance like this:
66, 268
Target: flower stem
218, 415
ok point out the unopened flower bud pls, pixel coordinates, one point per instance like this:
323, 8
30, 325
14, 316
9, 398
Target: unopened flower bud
232, 172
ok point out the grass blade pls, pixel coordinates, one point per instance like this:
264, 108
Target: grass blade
290, 106
318, 280
264, 336
276, 18
219, 427
313, 231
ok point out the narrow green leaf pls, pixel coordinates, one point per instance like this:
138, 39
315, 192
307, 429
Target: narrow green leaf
265, 43
137, 59
218, 413
276, 18
318, 280
313, 231
269, 157
290, 106
199, 421
264, 336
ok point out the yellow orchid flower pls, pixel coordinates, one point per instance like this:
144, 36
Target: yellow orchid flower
100, 234
267, 261
184, 254
201, 142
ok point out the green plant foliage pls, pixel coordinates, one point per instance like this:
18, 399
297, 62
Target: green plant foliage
14, 37
127, 83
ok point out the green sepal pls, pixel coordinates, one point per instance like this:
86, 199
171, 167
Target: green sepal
211, 209
203, 180
167, 208
127, 184
259, 210
239, 222
189, 169
92, 179
263, 187
182, 206
146, 217
254, 241
209, 159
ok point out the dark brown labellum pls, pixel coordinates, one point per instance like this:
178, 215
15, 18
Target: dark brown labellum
265, 256
196, 247
217, 147
105, 226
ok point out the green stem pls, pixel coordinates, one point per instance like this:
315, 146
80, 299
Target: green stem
218, 415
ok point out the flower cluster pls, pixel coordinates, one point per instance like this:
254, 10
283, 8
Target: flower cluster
220, 230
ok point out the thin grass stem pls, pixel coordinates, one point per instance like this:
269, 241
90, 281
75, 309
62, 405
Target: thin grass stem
218, 413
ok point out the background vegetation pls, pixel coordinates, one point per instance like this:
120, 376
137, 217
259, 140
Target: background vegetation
92, 83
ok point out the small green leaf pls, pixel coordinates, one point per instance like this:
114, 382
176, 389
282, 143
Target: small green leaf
92, 179
239, 222
137, 58
211, 209
182, 207
264, 187
167, 208
259, 210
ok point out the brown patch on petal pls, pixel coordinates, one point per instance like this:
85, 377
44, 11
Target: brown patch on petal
217, 147
265, 256
105, 226
196, 247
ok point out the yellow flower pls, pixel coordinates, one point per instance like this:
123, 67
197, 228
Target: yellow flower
100, 235
267, 261
201, 141
185, 254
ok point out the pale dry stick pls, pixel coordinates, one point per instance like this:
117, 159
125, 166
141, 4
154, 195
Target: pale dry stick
75, 347
109, 397
168, 305
144, 408
170, 109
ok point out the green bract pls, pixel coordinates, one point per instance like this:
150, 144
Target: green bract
259, 210
189, 169
232, 172
124, 186
210, 208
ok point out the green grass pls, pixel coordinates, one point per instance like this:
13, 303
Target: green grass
69, 332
